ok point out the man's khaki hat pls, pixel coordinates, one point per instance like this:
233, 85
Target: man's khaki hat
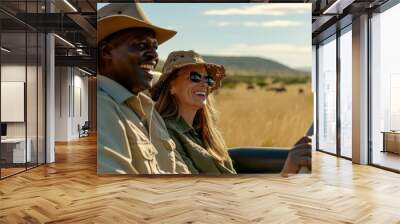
119, 16
180, 59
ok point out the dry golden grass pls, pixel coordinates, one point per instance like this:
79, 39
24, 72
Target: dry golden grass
257, 117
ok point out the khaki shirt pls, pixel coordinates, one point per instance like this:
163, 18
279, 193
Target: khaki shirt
125, 143
191, 148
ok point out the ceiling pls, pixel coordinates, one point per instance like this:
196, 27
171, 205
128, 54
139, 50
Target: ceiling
331, 15
76, 25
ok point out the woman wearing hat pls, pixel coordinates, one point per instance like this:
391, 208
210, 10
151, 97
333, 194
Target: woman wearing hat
184, 101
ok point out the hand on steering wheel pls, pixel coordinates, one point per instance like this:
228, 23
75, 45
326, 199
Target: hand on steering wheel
299, 156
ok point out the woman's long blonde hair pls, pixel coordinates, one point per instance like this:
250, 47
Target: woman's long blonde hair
167, 106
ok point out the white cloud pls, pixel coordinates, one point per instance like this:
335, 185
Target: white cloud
263, 9
288, 54
267, 24
223, 23
274, 23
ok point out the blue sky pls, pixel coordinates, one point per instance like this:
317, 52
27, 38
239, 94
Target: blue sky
281, 32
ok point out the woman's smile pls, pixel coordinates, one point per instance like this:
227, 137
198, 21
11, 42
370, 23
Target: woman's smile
200, 94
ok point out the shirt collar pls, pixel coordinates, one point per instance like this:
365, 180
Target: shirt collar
113, 88
141, 104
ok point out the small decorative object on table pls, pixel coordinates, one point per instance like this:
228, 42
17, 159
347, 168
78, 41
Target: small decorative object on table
391, 141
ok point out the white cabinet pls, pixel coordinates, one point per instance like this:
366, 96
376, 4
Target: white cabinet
17, 146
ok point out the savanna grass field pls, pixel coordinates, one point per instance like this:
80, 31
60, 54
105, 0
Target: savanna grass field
267, 113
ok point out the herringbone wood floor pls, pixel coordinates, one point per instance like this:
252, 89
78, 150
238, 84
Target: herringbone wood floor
69, 191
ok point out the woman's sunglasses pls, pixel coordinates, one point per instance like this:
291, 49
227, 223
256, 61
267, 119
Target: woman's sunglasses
196, 77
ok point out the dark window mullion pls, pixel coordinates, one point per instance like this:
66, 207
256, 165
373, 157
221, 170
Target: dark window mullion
369, 79
0, 95
44, 71
37, 90
26, 88
338, 98
73, 92
317, 97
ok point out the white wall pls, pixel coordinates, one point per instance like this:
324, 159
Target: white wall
61, 103
14, 73
79, 112
12, 101
71, 93
33, 126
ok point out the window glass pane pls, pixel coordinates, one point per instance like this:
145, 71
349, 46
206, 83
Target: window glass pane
31, 97
31, 17
23, 87
41, 98
346, 94
386, 89
14, 148
327, 96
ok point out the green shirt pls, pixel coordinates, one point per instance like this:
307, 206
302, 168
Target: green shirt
191, 149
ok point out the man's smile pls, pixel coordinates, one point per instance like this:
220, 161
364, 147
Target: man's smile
147, 66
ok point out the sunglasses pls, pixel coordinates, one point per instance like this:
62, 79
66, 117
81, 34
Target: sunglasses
196, 78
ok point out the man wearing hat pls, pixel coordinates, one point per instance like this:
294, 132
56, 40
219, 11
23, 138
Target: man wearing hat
132, 136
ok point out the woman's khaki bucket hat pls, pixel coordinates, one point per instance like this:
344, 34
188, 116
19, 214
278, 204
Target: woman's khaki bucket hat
180, 59
119, 16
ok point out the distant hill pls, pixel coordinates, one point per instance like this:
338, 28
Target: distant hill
304, 69
238, 65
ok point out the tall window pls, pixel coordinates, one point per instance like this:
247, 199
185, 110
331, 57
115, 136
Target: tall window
346, 93
385, 89
327, 95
